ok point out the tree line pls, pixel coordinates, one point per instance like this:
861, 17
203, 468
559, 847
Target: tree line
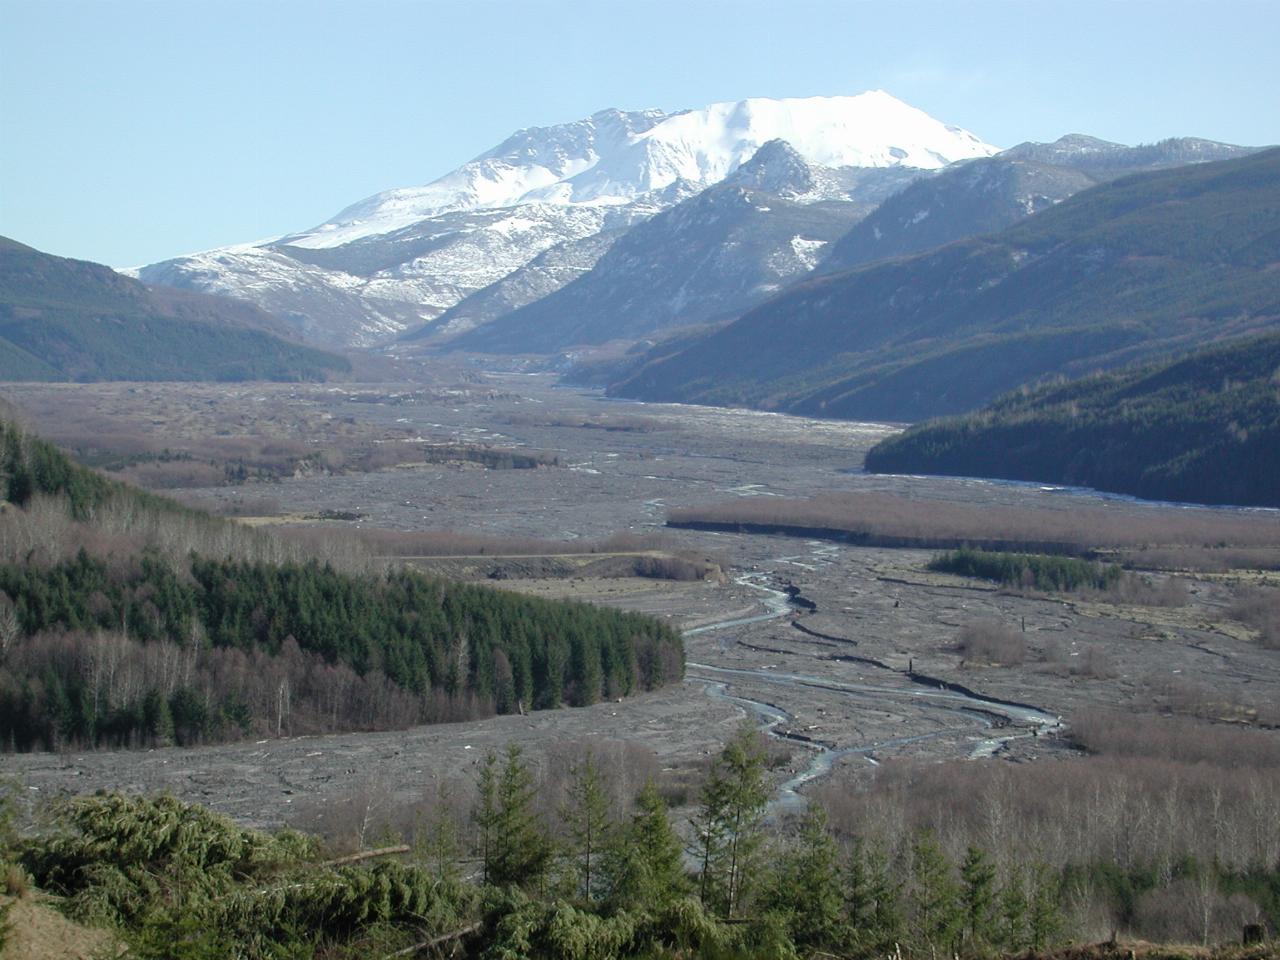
510, 875
429, 649
1028, 570
168, 626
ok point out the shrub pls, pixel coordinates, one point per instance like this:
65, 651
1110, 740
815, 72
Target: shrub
988, 641
1260, 609
1028, 570
16, 881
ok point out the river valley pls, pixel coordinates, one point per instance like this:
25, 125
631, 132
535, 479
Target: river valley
846, 656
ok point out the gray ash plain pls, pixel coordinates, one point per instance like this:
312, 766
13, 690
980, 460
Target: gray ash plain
846, 684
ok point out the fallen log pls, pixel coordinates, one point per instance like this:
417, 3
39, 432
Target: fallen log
417, 948
367, 855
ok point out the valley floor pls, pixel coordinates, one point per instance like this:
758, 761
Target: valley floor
846, 684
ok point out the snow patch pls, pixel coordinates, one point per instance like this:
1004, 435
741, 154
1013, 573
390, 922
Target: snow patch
806, 250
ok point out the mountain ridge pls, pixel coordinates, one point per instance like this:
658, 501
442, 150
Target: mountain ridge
1149, 262
980, 196
65, 319
703, 260
405, 256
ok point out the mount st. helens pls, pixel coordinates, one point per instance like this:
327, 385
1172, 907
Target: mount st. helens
707, 258
714, 256
403, 257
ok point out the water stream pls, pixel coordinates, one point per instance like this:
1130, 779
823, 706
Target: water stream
982, 713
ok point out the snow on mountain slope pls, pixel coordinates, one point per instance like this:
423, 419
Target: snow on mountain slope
502, 177
405, 256
711, 257
869, 130
366, 292
616, 157
540, 277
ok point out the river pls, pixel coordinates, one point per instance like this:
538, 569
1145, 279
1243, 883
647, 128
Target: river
980, 712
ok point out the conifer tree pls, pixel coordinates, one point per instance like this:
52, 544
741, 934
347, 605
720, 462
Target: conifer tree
485, 813
1044, 916
728, 823
158, 719
872, 899
1012, 923
978, 879
586, 819
935, 894
437, 841
806, 885
709, 835
644, 866
521, 851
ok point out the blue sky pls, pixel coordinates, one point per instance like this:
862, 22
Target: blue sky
135, 130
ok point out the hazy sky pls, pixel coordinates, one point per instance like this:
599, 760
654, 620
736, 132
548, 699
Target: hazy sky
135, 130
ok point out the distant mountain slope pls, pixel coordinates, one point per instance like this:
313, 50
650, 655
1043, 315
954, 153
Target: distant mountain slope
403, 257
988, 194
1121, 271
708, 258
64, 319
542, 276
1204, 428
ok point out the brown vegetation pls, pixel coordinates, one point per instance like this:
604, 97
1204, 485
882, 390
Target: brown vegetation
878, 519
449, 543
38, 931
651, 556
1179, 695
1209, 559
372, 812
16, 882
1157, 798
1141, 591
989, 642
1260, 609
44, 533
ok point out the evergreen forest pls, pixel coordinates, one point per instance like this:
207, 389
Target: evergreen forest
63, 319
127, 620
1203, 428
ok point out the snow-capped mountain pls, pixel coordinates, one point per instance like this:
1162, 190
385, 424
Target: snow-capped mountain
708, 258
518, 170
405, 256
700, 259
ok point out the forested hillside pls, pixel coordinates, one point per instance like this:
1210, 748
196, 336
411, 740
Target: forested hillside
126, 619
64, 319
1204, 428
1116, 273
